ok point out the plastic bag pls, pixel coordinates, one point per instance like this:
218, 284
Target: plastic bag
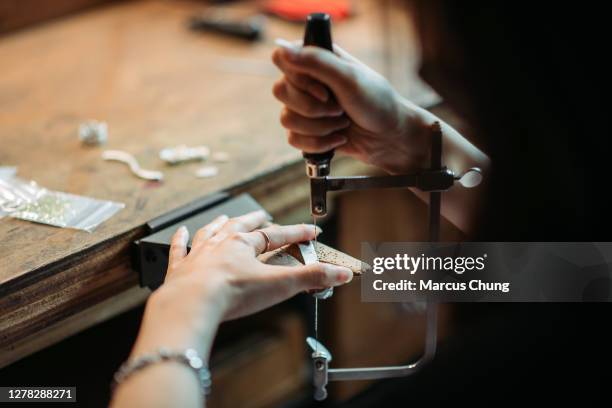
26, 200
68, 211
15, 192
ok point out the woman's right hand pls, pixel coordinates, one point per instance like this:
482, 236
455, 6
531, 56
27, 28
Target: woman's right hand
366, 118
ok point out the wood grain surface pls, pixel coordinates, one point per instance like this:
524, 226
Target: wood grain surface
15, 14
136, 66
157, 84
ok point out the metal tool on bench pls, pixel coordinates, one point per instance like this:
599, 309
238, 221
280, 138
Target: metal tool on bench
434, 180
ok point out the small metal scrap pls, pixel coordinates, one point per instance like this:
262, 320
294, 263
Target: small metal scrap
207, 171
93, 132
183, 153
125, 157
220, 157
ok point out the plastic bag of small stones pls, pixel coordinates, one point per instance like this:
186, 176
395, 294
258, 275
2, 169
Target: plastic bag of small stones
26, 200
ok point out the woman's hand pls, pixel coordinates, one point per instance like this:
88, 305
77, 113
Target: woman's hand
367, 118
221, 278
223, 260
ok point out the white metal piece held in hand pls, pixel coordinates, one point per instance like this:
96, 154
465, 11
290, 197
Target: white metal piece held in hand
309, 255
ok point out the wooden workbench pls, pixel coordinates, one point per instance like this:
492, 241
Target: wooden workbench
136, 66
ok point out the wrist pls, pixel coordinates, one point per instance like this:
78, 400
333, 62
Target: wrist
178, 320
414, 129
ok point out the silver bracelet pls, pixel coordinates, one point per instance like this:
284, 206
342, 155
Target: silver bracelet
188, 357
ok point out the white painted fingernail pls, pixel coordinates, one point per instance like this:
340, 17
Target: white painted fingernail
288, 45
350, 276
184, 234
291, 50
220, 220
316, 228
339, 274
268, 216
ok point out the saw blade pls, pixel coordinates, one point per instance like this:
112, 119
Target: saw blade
309, 256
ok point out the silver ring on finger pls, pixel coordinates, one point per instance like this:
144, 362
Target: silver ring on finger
266, 238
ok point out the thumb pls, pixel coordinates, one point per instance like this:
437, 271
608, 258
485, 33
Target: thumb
316, 276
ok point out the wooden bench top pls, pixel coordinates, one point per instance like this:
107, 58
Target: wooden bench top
157, 84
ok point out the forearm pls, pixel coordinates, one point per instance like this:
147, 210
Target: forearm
460, 205
169, 383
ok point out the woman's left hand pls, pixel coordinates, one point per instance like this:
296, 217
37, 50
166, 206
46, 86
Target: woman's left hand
221, 278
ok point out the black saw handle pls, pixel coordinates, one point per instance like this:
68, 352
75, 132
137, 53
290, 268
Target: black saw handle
318, 33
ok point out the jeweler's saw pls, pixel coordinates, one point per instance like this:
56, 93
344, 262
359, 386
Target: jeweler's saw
434, 180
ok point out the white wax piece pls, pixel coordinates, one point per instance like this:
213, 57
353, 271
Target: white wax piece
220, 157
207, 171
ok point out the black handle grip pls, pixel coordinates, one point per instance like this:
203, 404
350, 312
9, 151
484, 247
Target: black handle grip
318, 33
